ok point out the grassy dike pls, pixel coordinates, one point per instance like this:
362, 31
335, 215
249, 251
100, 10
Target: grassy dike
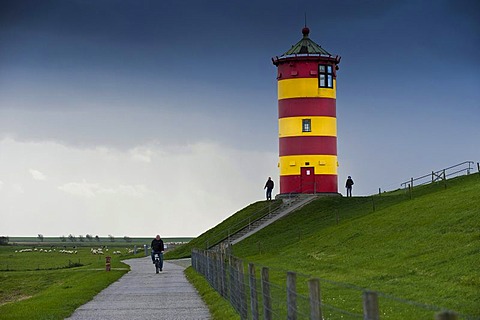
221, 231
422, 247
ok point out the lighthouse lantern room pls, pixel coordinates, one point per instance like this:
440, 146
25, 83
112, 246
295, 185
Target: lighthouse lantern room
307, 123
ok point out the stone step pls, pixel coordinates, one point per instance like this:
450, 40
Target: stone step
290, 205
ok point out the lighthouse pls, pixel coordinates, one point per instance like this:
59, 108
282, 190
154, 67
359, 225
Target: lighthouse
307, 123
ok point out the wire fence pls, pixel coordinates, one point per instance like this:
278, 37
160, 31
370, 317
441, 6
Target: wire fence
258, 292
465, 167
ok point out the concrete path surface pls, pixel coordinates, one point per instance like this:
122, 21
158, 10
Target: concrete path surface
143, 294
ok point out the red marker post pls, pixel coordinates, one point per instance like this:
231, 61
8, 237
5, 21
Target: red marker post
107, 263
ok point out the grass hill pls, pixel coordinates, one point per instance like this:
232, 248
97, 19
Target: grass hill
221, 231
423, 246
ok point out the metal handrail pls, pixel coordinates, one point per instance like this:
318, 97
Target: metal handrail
241, 225
440, 174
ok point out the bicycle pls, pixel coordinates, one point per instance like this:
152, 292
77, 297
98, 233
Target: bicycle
158, 262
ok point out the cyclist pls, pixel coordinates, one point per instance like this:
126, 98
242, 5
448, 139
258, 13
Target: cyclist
157, 247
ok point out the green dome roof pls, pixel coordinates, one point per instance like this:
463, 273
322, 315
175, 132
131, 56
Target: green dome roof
306, 46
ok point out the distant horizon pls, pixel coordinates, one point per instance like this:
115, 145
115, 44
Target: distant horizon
119, 238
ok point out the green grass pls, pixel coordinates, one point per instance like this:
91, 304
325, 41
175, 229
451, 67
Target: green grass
223, 229
220, 309
422, 247
39, 285
50, 294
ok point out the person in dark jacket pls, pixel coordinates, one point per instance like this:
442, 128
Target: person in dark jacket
349, 185
269, 187
157, 247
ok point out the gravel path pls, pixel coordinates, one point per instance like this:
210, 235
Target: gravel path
143, 294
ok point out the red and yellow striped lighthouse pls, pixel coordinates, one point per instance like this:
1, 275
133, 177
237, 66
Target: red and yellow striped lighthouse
307, 123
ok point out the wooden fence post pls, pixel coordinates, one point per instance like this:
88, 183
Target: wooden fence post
370, 306
212, 268
207, 266
231, 282
193, 260
267, 299
218, 278
224, 275
444, 179
291, 295
315, 299
253, 291
241, 291
446, 315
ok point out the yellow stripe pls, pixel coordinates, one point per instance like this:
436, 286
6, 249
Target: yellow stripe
323, 164
304, 87
320, 126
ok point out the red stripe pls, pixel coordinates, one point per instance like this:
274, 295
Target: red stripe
323, 183
302, 68
290, 146
298, 107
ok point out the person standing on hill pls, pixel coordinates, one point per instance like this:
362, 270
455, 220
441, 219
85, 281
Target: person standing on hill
349, 185
157, 247
269, 187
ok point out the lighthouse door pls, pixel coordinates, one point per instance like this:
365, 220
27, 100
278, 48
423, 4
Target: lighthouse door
307, 182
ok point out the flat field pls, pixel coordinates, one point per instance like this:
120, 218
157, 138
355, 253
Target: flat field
50, 281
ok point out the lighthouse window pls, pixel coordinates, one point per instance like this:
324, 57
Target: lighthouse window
306, 125
325, 76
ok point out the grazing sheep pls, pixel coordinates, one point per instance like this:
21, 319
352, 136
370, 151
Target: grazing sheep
67, 251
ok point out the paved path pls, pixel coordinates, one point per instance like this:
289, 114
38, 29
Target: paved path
142, 294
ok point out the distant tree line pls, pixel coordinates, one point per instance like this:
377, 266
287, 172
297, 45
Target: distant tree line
87, 237
80, 238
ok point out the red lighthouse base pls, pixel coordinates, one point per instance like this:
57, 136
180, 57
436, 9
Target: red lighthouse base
318, 183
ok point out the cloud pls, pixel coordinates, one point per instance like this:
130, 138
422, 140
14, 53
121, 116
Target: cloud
37, 175
91, 190
18, 188
81, 189
141, 154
